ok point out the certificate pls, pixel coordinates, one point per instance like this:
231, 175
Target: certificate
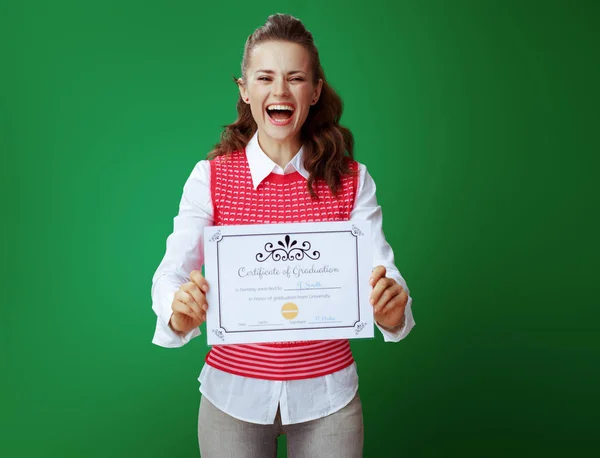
288, 282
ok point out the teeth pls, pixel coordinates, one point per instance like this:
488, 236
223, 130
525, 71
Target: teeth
280, 107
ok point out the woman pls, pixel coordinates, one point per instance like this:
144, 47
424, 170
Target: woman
285, 147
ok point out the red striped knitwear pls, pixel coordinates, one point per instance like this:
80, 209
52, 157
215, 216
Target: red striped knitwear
277, 199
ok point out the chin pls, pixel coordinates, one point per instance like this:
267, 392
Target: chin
279, 134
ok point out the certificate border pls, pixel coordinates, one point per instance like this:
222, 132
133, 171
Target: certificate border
358, 325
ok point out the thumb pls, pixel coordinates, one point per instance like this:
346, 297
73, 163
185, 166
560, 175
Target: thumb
377, 274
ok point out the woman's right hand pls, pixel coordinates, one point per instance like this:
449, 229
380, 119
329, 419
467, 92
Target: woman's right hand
189, 304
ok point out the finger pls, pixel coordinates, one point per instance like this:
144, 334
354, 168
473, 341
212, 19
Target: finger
189, 300
398, 300
378, 272
197, 277
379, 288
199, 297
183, 309
385, 299
186, 310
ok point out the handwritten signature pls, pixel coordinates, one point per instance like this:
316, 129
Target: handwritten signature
324, 318
308, 285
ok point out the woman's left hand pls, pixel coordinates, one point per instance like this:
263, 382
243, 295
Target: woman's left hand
388, 299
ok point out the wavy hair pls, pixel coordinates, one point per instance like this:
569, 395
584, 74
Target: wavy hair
328, 146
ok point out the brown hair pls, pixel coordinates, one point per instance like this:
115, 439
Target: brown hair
325, 141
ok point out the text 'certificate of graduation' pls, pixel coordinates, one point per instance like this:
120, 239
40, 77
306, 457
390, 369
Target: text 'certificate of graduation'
288, 282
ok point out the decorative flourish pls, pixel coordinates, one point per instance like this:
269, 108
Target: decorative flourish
216, 236
359, 327
356, 231
287, 251
219, 333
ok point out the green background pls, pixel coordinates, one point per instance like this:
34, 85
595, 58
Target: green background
479, 122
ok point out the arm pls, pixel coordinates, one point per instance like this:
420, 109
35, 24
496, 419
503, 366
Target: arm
184, 254
367, 208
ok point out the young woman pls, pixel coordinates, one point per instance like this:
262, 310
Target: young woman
286, 147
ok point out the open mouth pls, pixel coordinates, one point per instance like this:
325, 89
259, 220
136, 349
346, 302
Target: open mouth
280, 113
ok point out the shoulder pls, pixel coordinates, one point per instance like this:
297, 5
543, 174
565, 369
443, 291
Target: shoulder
203, 169
355, 166
228, 166
366, 184
200, 174
234, 156
358, 166
359, 169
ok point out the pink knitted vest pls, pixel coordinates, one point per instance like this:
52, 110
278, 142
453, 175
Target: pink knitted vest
278, 199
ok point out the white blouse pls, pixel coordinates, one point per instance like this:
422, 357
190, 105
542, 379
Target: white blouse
250, 399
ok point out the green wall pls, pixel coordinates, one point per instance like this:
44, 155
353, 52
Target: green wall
479, 122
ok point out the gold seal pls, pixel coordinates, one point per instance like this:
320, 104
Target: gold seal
289, 310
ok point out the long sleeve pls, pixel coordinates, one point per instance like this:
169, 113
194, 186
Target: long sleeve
366, 208
184, 253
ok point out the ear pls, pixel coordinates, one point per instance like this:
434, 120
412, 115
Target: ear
243, 90
317, 92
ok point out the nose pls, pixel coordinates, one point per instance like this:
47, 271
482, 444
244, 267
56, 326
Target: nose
281, 88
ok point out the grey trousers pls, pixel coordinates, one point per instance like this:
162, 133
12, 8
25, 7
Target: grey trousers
339, 435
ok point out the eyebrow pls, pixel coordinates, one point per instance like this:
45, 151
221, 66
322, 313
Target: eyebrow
271, 72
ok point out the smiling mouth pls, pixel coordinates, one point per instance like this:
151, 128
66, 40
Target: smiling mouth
280, 113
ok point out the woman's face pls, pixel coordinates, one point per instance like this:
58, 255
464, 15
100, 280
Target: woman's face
279, 88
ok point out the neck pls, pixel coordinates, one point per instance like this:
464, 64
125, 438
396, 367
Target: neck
280, 152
